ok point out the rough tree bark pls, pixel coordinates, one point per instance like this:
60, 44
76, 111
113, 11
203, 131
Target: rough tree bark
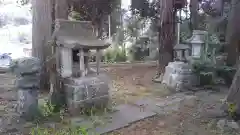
234, 94
61, 9
57, 95
41, 34
233, 40
193, 14
166, 36
233, 31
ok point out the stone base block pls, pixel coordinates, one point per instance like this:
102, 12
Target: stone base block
179, 76
79, 107
86, 93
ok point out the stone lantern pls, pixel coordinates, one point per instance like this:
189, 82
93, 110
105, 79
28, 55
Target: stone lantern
197, 42
182, 52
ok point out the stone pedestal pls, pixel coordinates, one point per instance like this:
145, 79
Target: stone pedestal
86, 93
178, 75
27, 71
27, 103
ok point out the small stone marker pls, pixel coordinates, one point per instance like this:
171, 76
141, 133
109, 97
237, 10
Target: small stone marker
27, 71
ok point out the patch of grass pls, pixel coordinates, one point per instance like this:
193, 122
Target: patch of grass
47, 111
65, 131
48, 115
115, 55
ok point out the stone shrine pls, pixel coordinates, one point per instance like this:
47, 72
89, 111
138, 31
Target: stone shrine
85, 88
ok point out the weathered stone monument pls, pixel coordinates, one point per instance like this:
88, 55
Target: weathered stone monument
85, 88
178, 74
27, 71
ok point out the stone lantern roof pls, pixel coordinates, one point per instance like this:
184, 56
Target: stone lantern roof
77, 35
181, 47
197, 37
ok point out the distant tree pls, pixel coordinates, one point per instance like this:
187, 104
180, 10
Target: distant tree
194, 16
44, 14
93, 10
233, 45
232, 34
163, 13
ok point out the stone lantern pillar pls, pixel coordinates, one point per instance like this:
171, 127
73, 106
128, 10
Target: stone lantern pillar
66, 61
197, 42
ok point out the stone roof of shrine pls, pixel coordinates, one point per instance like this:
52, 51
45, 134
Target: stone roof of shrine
77, 34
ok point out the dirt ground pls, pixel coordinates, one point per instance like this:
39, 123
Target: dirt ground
132, 82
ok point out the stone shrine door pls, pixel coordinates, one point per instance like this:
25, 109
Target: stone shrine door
75, 56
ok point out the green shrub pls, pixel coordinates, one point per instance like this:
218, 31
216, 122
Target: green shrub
109, 56
120, 56
137, 54
206, 78
227, 73
115, 55
65, 131
200, 66
232, 109
75, 15
205, 71
47, 109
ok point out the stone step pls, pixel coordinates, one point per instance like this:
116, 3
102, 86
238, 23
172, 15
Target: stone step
124, 116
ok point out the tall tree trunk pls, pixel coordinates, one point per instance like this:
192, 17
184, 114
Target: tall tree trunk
166, 35
233, 43
41, 34
57, 94
61, 9
234, 93
193, 14
233, 31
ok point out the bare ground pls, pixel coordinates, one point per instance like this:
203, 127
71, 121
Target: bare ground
134, 82
131, 83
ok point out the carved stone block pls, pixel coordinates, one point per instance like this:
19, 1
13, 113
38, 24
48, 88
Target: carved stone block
178, 75
86, 92
27, 103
